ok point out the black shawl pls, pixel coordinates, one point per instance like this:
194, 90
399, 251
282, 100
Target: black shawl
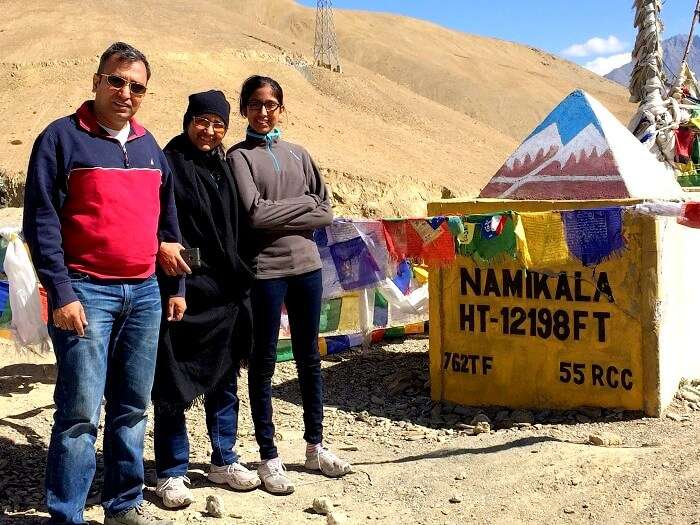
215, 336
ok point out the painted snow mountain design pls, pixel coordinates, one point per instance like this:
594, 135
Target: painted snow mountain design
581, 151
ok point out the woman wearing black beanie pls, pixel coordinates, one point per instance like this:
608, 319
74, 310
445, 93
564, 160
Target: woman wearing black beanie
200, 356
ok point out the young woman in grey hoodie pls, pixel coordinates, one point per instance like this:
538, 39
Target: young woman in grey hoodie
285, 198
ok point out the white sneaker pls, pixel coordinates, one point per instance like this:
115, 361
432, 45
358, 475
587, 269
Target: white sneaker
272, 474
235, 475
174, 492
328, 463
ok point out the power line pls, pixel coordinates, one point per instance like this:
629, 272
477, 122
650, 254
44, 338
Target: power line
663, 62
692, 28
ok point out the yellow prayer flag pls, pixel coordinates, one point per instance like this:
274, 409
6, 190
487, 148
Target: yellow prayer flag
349, 314
688, 167
322, 346
541, 240
421, 274
468, 235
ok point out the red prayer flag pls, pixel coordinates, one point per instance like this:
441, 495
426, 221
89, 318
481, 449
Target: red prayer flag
690, 215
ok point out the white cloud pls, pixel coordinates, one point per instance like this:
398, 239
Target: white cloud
595, 46
604, 65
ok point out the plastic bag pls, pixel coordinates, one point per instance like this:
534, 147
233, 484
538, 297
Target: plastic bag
27, 324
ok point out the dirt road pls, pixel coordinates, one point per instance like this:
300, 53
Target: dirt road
410, 456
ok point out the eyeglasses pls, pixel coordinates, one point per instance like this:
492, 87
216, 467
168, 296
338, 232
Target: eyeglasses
117, 82
202, 123
257, 105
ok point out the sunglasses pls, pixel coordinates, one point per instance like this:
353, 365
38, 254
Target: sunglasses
257, 105
117, 82
202, 123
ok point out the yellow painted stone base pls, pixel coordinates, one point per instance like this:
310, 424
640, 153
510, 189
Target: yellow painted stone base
560, 337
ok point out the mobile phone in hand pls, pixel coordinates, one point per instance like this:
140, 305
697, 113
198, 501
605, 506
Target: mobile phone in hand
191, 257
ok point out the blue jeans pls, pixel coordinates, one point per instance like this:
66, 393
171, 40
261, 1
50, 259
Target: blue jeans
172, 447
302, 296
116, 359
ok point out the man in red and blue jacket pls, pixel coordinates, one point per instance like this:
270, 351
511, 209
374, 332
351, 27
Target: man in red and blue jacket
98, 206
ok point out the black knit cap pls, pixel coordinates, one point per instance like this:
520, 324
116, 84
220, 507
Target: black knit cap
212, 101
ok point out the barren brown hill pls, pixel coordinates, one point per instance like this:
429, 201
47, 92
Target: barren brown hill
417, 108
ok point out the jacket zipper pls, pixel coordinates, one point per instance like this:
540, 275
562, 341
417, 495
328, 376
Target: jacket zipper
126, 156
268, 141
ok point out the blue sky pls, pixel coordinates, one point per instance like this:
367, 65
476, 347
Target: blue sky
601, 29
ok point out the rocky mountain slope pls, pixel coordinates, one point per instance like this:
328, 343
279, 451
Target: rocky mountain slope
419, 110
673, 49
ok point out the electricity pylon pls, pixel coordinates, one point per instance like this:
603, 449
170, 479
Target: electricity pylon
326, 44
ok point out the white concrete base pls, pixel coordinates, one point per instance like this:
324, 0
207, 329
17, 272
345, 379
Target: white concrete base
677, 308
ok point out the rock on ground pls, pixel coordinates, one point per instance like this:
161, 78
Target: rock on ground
323, 505
215, 507
336, 518
605, 439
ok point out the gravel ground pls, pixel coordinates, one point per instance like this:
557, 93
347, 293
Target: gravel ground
415, 461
